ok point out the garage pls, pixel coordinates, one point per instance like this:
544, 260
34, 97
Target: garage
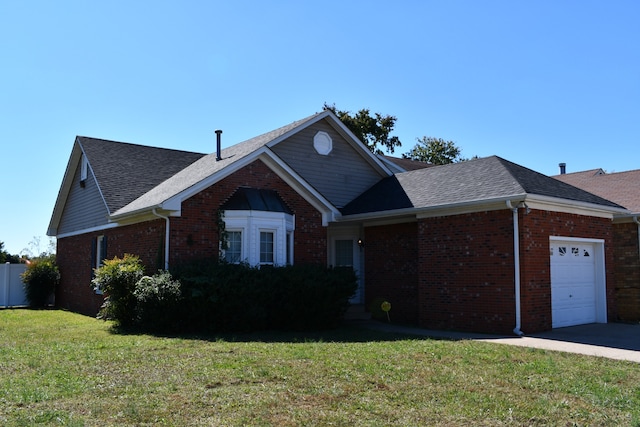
577, 282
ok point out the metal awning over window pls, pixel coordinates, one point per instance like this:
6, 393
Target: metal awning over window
253, 199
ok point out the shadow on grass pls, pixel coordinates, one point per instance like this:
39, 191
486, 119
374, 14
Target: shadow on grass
347, 332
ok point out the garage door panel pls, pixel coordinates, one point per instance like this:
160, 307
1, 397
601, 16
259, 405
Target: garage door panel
573, 283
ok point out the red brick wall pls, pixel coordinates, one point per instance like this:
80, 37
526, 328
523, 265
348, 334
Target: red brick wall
391, 265
535, 229
194, 235
73, 256
466, 272
467, 268
627, 271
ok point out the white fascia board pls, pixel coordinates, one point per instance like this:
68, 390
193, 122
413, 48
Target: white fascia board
438, 210
65, 187
555, 204
174, 203
295, 181
349, 136
87, 230
298, 128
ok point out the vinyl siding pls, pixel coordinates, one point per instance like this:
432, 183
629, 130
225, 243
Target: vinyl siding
84, 208
340, 176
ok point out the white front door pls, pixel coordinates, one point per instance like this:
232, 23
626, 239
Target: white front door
346, 254
574, 290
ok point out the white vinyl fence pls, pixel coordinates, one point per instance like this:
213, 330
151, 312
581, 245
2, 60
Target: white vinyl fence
11, 287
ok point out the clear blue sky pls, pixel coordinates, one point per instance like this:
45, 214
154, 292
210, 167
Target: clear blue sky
535, 82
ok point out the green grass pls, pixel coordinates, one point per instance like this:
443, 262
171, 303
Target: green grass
59, 368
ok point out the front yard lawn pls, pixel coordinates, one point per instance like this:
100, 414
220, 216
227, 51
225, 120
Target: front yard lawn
60, 368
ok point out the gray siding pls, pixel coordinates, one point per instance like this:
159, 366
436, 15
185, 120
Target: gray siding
84, 207
340, 176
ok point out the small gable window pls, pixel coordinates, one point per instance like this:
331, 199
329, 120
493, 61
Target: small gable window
322, 143
84, 167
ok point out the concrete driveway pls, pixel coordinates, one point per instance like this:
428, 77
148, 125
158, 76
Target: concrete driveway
611, 340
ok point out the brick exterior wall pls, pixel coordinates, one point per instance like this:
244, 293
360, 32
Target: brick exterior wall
391, 265
194, 235
466, 268
535, 229
466, 272
627, 271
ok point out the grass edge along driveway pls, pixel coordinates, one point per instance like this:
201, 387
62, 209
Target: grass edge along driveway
60, 368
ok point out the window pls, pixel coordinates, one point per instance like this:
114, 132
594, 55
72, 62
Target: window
266, 247
98, 254
344, 253
84, 166
233, 253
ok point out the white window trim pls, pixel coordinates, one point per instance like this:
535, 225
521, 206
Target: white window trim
84, 167
251, 223
275, 246
243, 246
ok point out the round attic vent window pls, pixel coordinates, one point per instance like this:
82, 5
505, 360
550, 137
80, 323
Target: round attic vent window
322, 143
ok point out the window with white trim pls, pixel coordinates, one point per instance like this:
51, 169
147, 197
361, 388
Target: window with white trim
259, 238
266, 247
233, 252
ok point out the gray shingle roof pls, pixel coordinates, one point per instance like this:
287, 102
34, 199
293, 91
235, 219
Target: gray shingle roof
125, 171
474, 180
206, 167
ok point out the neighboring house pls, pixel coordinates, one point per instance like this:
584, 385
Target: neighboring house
484, 245
624, 189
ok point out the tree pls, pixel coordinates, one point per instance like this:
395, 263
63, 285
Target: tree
373, 131
436, 151
7, 257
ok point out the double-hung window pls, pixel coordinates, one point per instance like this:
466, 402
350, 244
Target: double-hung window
266, 247
267, 228
233, 252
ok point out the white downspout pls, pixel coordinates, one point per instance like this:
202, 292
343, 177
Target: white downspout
166, 238
635, 219
516, 261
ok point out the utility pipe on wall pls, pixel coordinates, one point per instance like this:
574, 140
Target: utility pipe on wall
516, 261
635, 219
166, 238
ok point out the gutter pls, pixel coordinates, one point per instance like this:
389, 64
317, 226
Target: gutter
516, 258
166, 237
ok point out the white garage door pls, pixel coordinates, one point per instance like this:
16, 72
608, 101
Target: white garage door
573, 283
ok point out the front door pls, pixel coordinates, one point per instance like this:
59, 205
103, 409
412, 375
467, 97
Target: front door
346, 254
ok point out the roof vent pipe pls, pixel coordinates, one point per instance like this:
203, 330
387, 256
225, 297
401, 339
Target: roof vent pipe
218, 133
563, 168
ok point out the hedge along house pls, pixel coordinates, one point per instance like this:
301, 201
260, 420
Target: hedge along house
624, 189
484, 245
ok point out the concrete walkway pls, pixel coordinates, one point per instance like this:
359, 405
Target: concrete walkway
611, 340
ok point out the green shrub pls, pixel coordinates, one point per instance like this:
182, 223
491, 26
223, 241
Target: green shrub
236, 297
158, 300
307, 297
40, 280
117, 278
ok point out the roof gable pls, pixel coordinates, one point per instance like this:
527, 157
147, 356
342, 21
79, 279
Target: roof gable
126, 171
208, 169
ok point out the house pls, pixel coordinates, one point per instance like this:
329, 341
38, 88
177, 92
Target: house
484, 245
624, 189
